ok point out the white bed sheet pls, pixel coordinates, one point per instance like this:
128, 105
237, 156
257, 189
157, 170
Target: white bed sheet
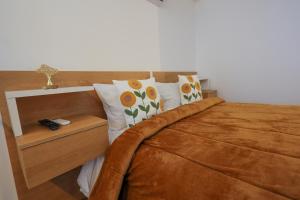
90, 171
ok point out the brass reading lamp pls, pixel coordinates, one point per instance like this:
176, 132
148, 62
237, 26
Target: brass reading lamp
49, 73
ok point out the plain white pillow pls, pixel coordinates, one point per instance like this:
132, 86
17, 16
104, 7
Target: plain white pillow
88, 175
169, 92
90, 171
109, 96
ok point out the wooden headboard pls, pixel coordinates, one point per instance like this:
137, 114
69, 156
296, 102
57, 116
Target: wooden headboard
169, 77
65, 186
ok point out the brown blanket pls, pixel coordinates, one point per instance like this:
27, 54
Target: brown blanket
208, 150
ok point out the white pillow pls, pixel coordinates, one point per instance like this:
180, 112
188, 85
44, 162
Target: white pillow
90, 170
140, 99
109, 96
189, 88
170, 95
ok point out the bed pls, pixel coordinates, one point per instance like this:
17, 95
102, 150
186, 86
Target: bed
206, 150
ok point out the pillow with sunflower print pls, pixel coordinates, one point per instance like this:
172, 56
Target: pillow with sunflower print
139, 98
190, 89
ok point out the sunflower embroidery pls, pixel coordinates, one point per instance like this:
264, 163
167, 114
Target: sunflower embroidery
194, 93
151, 93
190, 88
195, 85
137, 85
186, 89
198, 86
128, 99
190, 79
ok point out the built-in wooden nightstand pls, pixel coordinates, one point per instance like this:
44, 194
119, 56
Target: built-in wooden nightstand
45, 154
209, 93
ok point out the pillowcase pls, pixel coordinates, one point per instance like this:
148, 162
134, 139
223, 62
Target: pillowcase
139, 98
170, 95
109, 96
190, 89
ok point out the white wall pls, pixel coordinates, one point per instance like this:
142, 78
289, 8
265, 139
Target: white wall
97, 35
79, 35
177, 35
7, 184
250, 49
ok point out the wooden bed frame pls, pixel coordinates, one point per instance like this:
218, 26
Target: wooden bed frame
65, 186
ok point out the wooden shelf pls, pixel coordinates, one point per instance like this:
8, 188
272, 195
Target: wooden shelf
209, 93
11, 97
37, 134
40, 92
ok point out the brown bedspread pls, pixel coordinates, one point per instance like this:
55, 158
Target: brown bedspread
208, 151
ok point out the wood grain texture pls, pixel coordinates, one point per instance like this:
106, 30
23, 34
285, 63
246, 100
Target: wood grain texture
62, 154
69, 104
58, 106
209, 93
37, 134
169, 77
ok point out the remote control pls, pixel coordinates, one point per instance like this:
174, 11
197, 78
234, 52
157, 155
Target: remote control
62, 122
50, 124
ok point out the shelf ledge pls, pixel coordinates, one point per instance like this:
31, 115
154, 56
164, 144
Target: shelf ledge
41, 92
